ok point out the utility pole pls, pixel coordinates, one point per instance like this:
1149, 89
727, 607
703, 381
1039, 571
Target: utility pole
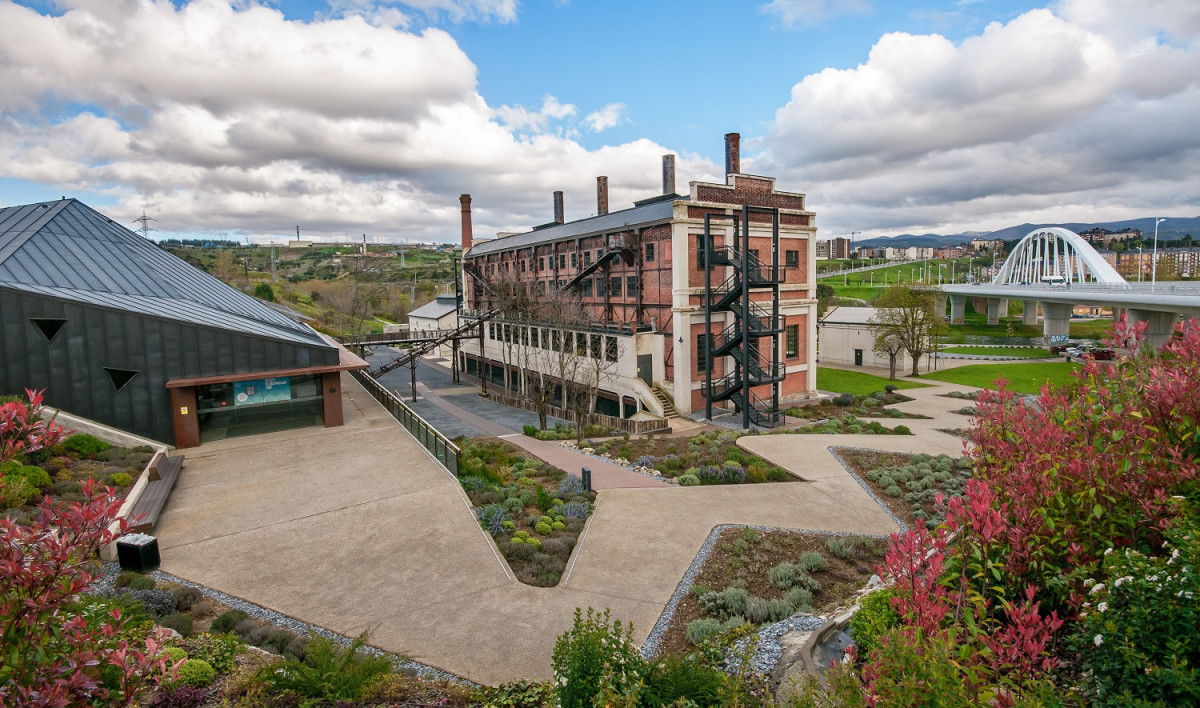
274, 272
144, 229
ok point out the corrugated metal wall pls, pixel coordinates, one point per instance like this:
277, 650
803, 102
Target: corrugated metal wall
71, 367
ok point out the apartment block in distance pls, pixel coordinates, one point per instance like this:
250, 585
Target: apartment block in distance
708, 297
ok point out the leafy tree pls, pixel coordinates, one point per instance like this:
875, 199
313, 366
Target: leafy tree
888, 343
264, 291
23, 430
908, 317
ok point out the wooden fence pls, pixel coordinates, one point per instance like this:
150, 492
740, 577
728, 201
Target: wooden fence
634, 427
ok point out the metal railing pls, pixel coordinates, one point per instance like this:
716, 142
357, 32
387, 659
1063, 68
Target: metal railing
393, 337
439, 445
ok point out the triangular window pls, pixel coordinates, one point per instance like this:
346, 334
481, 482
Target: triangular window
120, 377
49, 327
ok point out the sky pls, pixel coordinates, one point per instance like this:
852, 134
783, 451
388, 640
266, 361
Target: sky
251, 118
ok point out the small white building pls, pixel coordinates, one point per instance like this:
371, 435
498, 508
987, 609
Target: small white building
442, 313
845, 336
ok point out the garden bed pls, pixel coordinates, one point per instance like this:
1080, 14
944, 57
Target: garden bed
846, 425
58, 474
533, 510
909, 484
706, 458
746, 560
872, 406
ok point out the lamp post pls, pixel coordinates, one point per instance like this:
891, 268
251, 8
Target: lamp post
1154, 258
1141, 266
940, 266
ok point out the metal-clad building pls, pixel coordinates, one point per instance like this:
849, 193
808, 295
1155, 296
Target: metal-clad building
116, 329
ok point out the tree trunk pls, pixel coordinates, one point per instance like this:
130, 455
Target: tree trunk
916, 364
892, 367
541, 417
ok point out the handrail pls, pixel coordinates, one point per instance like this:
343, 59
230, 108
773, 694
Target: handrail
446, 452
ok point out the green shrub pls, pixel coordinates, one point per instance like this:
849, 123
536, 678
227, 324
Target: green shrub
777, 474
227, 621
894, 491
219, 650
174, 654
782, 576
558, 526
121, 479
674, 680
543, 528
85, 445
530, 430
804, 580
179, 622
16, 491
328, 672
196, 672
1140, 637
186, 597
875, 616
125, 578
688, 480
902, 430
278, 640
730, 602
141, 582
812, 562
701, 630
801, 599
36, 476
508, 525
597, 651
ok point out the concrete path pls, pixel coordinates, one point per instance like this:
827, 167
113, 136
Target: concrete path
357, 528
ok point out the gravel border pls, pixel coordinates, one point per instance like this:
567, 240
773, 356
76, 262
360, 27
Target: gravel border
767, 648
109, 572
610, 461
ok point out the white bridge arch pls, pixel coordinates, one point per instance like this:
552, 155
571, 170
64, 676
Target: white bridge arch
1056, 255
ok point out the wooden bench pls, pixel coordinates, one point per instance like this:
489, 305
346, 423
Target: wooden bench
154, 497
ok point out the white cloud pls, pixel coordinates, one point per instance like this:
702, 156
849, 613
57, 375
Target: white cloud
794, 13
336, 124
610, 116
388, 12
1048, 117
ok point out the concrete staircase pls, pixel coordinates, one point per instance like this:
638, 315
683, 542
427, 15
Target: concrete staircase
669, 410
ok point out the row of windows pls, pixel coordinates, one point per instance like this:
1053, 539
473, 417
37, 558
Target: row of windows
539, 264
791, 259
582, 343
791, 346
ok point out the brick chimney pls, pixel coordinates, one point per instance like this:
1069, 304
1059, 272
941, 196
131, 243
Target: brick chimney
559, 214
668, 174
601, 195
733, 153
465, 201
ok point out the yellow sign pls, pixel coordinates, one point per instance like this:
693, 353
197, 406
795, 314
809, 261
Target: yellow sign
183, 410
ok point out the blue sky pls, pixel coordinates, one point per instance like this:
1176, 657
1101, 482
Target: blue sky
371, 116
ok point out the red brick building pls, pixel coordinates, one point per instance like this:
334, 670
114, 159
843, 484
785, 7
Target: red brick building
640, 274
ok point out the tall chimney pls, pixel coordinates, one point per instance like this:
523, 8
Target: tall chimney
465, 200
601, 195
668, 174
559, 215
733, 153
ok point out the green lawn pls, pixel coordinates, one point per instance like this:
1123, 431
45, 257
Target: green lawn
858, 384
1021, 352
1022, 378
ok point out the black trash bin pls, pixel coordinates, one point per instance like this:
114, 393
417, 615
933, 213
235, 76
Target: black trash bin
138, 552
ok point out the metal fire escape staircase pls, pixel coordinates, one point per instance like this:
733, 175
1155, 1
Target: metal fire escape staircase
617, 246
420, 349
751, 339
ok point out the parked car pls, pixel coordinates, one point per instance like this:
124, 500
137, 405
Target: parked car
1103, 354
1064, 346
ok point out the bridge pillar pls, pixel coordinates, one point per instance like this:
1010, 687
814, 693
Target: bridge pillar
940, 302
1056, 319
958, 308
1029, 316
997, 308
1160, 325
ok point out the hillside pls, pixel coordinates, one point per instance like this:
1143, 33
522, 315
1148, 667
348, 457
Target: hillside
1172, 228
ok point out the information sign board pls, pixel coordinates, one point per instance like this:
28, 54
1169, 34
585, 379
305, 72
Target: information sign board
256, 391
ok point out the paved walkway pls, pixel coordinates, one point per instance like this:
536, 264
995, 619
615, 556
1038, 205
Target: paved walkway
357, 527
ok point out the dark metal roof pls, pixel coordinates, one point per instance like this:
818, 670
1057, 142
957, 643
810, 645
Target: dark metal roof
66, 249
603, 224
436, 310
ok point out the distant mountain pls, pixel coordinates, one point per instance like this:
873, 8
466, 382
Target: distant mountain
1172, 228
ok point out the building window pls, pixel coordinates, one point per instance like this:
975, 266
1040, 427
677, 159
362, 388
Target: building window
631, 286
700, 245
542, 263
562, 261
791, 259
650, 253
562, 284
508, 333
596, 341
793, 341
574, 260
587, 258
600, 292
614, 286
491, 330
610, 348
522, 265
48, 327
120, 377
587, 287
556, 340
701, 351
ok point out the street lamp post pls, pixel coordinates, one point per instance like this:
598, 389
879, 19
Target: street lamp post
1141, 266
1154, 258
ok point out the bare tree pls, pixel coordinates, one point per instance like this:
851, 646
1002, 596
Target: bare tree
518, 308
887, 343
910, 316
